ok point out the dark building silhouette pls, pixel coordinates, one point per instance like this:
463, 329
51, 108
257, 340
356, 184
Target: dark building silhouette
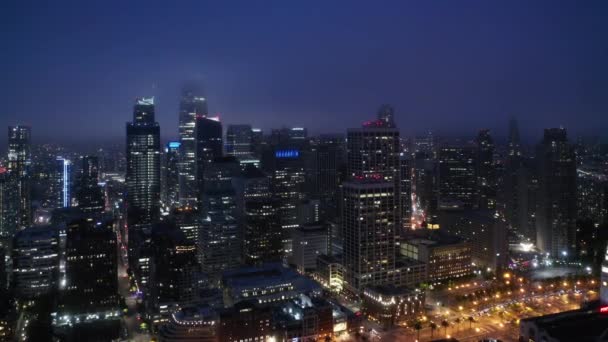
208, 139
239, 140
90, 195
556, 210
485, 170
170, 184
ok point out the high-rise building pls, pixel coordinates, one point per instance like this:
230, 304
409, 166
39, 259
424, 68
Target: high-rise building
457, 181
386, 114
262, 233
90, 195
370, 232
9, 204
406, 167
604, 281
91, 289
170, 184
62, 183
143, 174
35, 258
239, 140
192, 104
519, 183
19, 162
285, 165
556, 210
208, 139
486, 175
219, 238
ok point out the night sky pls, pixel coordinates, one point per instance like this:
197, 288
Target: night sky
73, 69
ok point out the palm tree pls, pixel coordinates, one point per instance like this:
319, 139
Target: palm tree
458, 321
433, 328
418, 327
471, 320
445, 324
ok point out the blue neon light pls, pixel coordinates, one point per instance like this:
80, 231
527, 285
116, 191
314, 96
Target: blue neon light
174, 144
287, 153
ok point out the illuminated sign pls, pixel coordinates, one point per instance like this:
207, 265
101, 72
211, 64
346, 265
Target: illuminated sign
174, 144
604, 309
287, 153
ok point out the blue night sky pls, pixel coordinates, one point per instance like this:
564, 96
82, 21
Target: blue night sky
74, 68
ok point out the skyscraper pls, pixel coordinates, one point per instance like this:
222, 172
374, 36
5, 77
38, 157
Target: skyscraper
19, 161
192, 104
556, 210
143, 172
239, 140
386, 114
62, 183
170, 184
9, 204
208, 142
486, 176
370, 221
457, 181
219, 237
371, 213
90, 195
262, 233
91, 288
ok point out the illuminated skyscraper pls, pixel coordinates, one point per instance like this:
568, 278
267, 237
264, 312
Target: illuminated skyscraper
192, 104
19, 162
208, 139
170, 184
371, 213
62, 183
604, 280
143, 171
370, 226
239, 140
556, 210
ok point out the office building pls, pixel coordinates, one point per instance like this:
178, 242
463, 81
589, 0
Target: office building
556, 209
9, 204
35, 258
285, 165
192, 104
170, 184
90, 195
485, 171
405, 168
143, 165
309, 242
143, 174
219, 240
61, 185
446, 256
239, 140
369, 225
19, 164
208, 139
457, 181
262, 232
91, 287
246, 321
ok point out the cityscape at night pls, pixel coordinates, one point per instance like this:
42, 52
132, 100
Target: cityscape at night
274, 171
